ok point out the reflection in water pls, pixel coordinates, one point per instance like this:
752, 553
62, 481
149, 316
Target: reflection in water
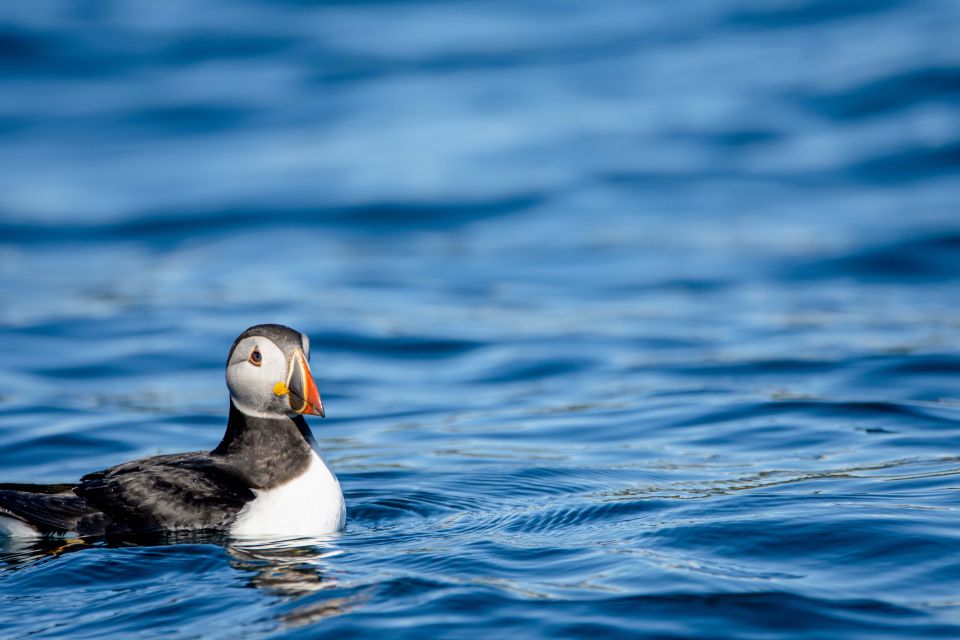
289, 568
18, 552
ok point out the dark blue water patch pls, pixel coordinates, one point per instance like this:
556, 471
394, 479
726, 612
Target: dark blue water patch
436, 214
926, 365
186, 119
407, 588
675, 615
142, 364
526, 371
796, 13
859, 411
196, 420
930, 377
813, 546
928, 258
925, 377
910, 164
890, 93
14, 125
138, 596
76, 327
126, 569
766, 367
59, 446
740, 138
386, 415
21, 49
335, 67
663, 178
70, 54
669, 284
406, 346
205, 46
162, 228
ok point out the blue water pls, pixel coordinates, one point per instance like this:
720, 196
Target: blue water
630, 318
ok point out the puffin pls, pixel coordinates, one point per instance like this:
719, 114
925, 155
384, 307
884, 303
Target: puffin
266, 478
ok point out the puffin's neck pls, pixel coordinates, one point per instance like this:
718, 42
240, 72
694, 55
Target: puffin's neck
268, 451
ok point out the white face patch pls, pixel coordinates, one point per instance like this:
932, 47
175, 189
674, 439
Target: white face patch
251, 386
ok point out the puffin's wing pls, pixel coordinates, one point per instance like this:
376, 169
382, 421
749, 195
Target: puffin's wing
183, 491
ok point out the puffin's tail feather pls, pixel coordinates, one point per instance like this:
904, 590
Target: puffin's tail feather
41, 509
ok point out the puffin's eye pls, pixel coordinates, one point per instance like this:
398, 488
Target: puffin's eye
255, 357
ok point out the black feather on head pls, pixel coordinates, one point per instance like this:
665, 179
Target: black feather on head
284, 337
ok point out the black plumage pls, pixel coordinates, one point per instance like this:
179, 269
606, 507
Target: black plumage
181, 491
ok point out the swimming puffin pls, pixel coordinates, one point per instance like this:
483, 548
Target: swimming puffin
265, 478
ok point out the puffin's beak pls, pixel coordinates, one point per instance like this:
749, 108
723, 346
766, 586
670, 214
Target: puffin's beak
303, 396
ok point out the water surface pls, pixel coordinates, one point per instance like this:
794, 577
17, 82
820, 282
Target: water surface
630, 318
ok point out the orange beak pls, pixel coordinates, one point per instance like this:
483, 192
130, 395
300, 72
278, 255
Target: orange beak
303, 395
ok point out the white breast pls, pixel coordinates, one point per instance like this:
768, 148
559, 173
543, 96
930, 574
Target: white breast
310, 504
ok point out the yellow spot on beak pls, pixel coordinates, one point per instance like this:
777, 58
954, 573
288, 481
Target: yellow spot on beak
280, 389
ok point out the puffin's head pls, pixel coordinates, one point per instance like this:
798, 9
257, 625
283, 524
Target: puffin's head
268, 375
